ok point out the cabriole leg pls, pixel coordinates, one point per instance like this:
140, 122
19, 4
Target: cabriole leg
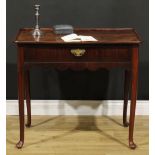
27, 94
134, 78
21, 95
127, 80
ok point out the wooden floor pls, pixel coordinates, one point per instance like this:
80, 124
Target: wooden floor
77, 135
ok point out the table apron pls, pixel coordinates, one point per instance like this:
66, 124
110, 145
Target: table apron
77, 54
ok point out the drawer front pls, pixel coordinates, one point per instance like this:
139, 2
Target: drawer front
77, 54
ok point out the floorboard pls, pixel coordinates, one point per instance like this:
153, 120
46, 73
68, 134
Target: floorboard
77, 135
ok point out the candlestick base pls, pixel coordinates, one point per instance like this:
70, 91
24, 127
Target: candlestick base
37, 32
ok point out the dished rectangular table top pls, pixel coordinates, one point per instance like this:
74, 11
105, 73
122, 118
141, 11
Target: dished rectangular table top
103, 35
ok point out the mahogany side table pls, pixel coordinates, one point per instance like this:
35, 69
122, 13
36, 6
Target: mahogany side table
115, 48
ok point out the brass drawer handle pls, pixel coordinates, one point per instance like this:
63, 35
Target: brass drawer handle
78, 52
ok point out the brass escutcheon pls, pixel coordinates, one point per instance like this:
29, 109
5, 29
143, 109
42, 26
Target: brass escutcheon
78, 52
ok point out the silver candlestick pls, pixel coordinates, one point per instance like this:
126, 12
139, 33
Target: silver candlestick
37, 31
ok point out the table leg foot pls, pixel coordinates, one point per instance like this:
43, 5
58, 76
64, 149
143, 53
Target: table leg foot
126, 124
28, 125
132, 145
19, 145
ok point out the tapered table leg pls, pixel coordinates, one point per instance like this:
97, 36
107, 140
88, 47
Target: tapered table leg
127, 80
134, 78
21, 95
27, 94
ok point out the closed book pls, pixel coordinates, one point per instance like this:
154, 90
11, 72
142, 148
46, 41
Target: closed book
63, 29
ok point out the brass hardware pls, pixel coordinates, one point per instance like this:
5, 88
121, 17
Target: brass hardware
78, 52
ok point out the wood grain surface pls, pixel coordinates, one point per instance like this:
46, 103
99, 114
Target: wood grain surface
103, 35
77, 135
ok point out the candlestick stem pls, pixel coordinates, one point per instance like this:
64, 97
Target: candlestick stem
37, 31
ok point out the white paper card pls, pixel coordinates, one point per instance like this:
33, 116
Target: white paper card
75, 38
69, 37
87, 38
